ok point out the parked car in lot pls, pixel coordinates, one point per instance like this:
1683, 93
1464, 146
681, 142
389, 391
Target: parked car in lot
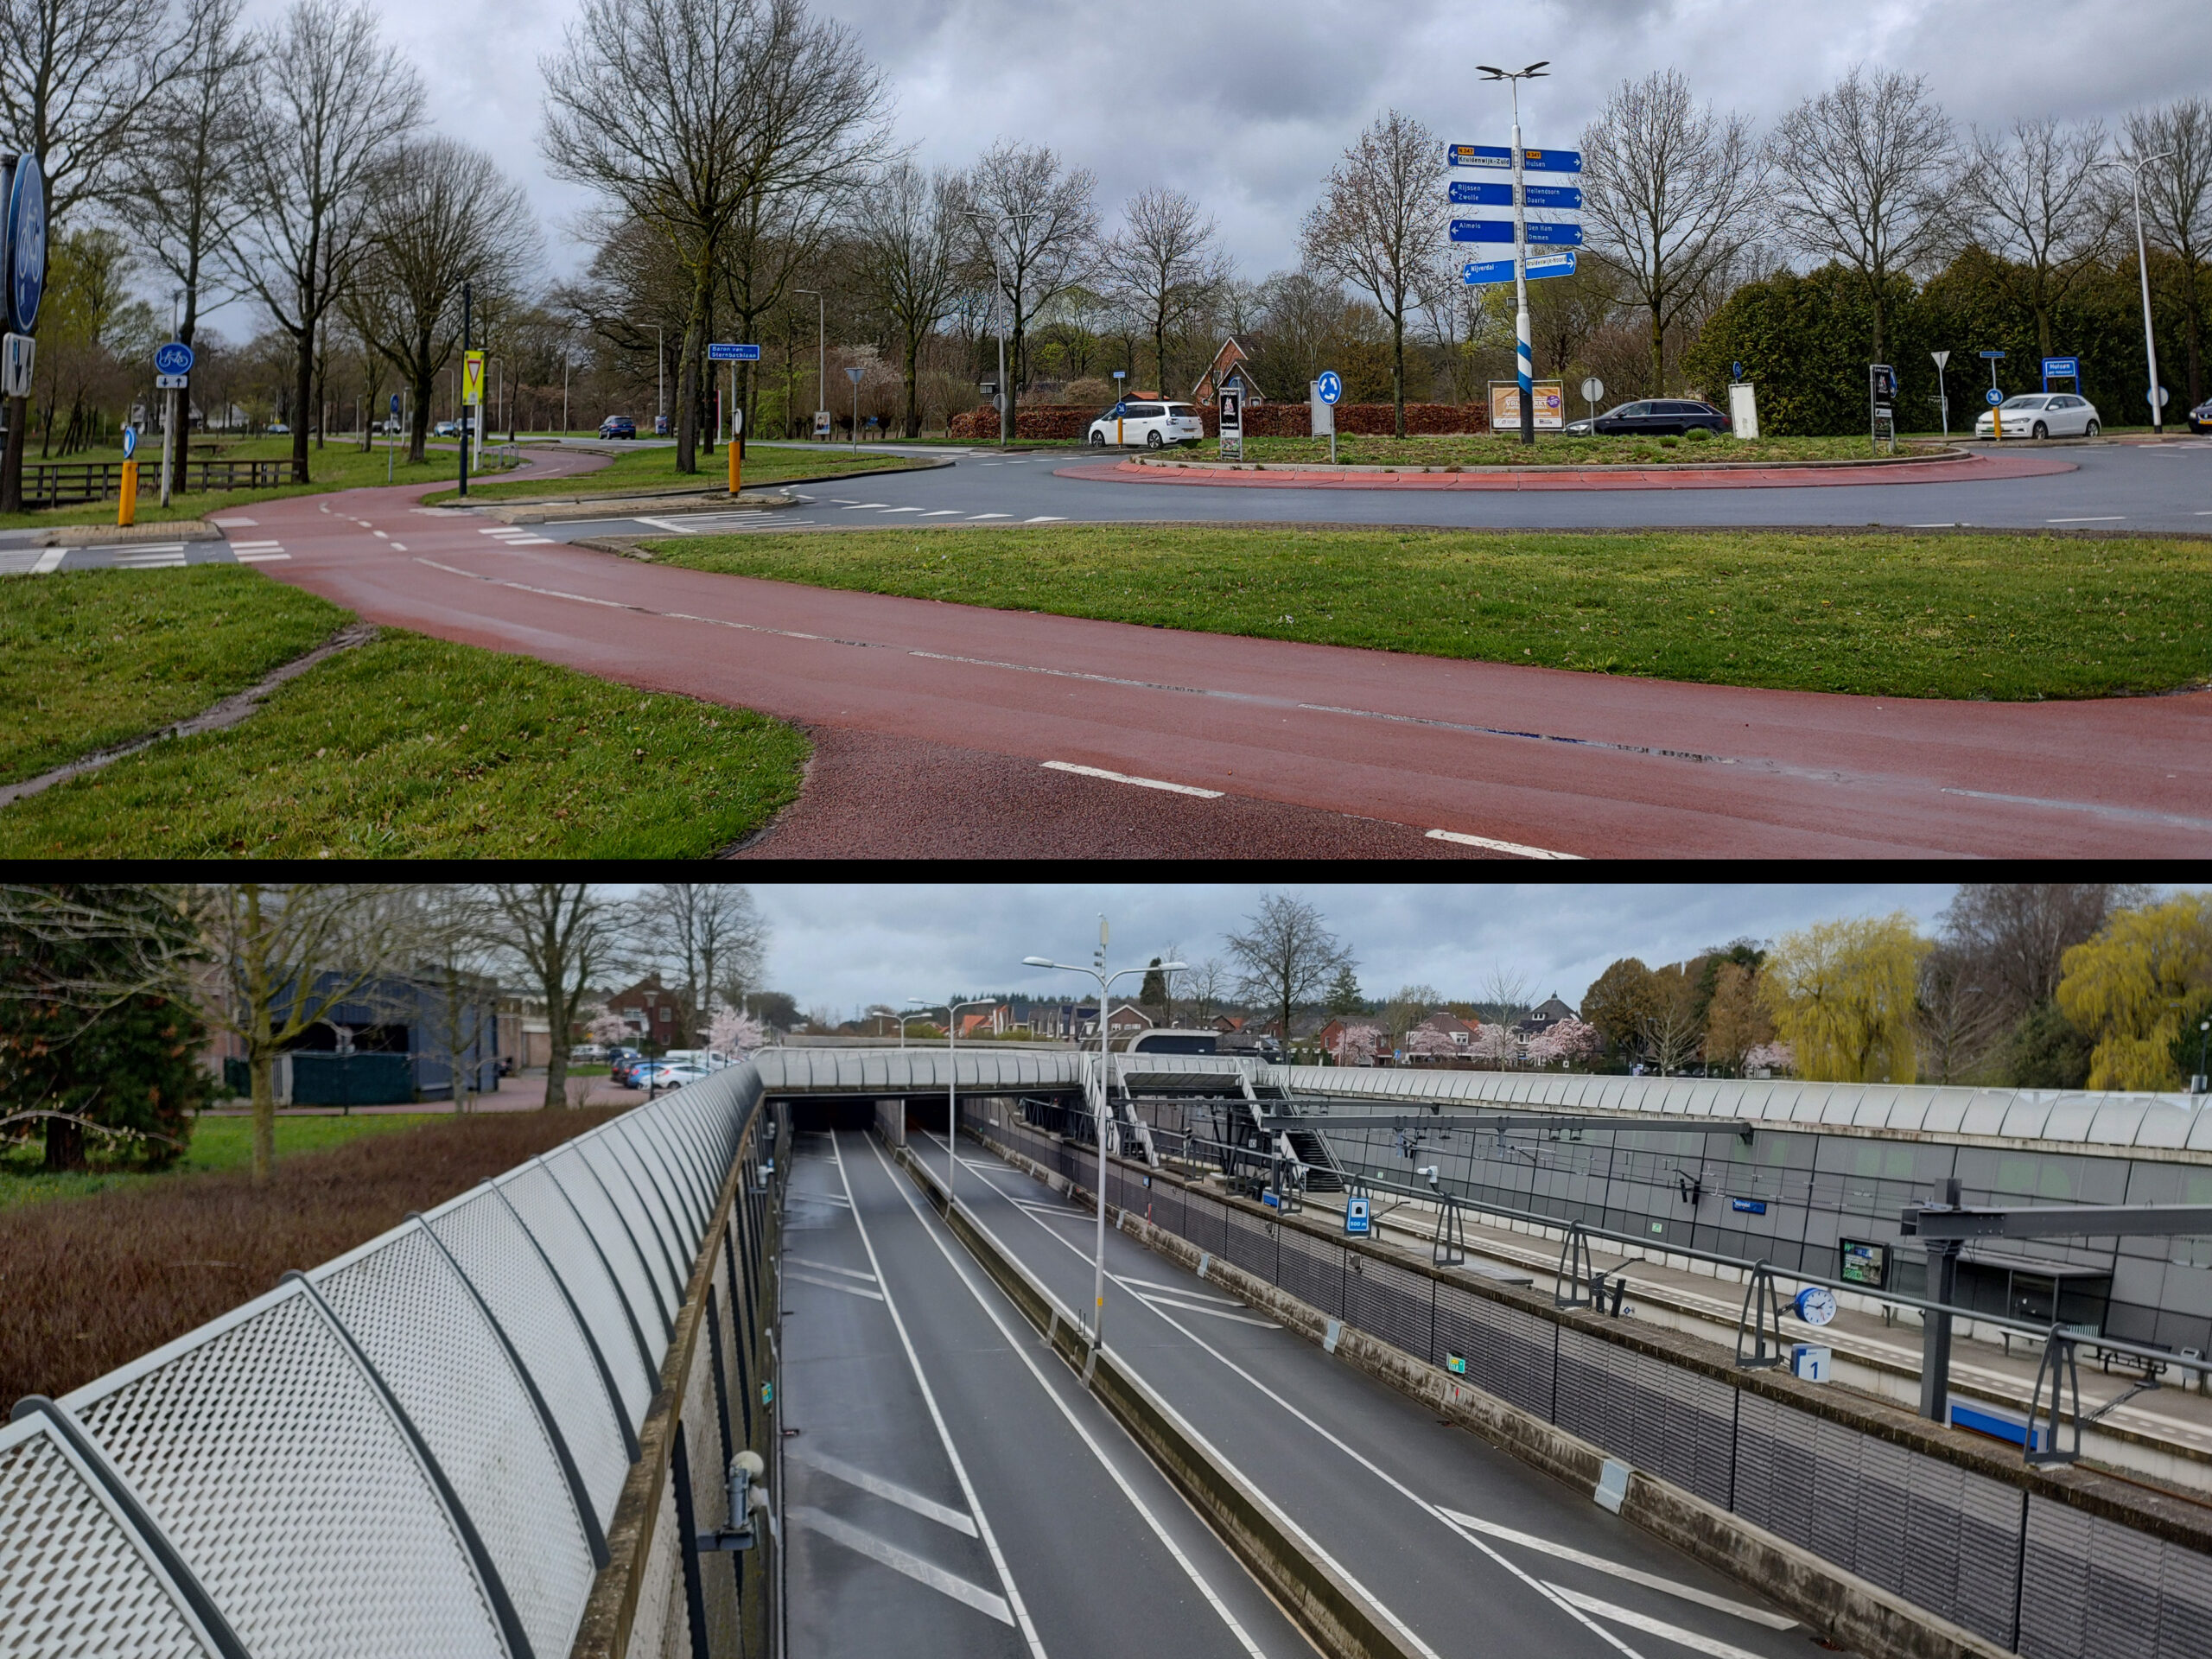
660, 1074
2042, 415
1153, 425
1658, 417
2200, 418
617, 426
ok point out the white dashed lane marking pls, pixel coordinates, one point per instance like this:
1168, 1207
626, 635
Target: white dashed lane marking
1513, 846
1124, 778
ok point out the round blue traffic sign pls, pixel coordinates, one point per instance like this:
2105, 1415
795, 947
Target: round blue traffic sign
1992, 397
395, 405
130, 441
1331, 386
175, 357
26, 273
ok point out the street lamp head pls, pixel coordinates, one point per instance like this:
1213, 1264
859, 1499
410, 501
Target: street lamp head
1172, 967
1036, 961
1495, 75
1535, 68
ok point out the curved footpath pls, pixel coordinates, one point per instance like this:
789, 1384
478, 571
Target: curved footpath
1964, 469
950, 730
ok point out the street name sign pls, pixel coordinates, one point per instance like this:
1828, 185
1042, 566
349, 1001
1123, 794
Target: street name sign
724, 351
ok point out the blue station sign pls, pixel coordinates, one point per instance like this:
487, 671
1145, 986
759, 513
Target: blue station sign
1481, 193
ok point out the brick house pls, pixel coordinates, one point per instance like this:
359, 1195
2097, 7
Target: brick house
1227, 369
652, 1012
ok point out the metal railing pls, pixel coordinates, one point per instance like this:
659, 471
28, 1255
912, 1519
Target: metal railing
451, 1440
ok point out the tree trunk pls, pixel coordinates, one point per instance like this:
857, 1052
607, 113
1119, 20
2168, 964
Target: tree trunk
559, 1014
64, 1145
1398, 367
419, 420
687, 372
1658, 357
302, 394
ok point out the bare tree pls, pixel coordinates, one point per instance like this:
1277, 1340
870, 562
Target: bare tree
456, 932
1206, 987
564, 934
1863, 176
76, 77
285, 957
334, 98
1033, 229
1164, 262
1377, 225
2178, 204
182, 201
1285, 956
2039, 200
2014, 934
1962, 1012
1505, 995
1670, 1025
909, 228
714, 938
1671, 192
1407, 1007
440, 213
685, 114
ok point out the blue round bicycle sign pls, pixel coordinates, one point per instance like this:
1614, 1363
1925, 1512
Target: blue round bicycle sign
26, 244
1331, 386
175, 357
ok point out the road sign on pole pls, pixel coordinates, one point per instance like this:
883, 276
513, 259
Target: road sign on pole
1592, 389
26, 242
170, 383
175, 357
1480, 192
1496, 155
1488, 272
1942, 397
1992, 397
1331, 386
1540, 233
723, 351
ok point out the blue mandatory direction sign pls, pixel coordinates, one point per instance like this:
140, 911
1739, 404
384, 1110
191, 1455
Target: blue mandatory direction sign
1481, 193
1540, 235
1992, 397
175, 357
1330, 385
26, 262
1498, 156
130, 441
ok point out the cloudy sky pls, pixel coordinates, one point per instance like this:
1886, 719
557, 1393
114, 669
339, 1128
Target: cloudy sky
848, 945
1246, 103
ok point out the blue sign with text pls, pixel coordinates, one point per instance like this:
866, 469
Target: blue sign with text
1748, 1206
1501, 230
1356, 1216
1481, 193
1485, 273
1498, 155
729, 352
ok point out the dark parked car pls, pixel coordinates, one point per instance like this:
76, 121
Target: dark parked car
1660, 416
617, 426
2200, 418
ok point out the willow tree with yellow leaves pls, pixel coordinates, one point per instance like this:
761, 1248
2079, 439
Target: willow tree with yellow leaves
1843, 996
2134, 986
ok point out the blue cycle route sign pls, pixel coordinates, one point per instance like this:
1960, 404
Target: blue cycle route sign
1541, 234
26, 228
175, 357
1331, 386
1480, 192
1498, 156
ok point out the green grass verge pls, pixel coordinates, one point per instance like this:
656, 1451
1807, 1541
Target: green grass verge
216, 1143
1551, 449
637, 470
408, 747
94, 657
335, 467
2005, 617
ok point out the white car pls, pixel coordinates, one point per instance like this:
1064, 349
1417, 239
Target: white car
2042, 415
1153, 425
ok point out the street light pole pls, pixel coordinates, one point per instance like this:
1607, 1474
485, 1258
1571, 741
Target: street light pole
1006, 423
952, 1083
2143, 270
1098, 972
1524, 353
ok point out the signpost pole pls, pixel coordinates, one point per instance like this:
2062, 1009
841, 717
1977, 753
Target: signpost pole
169, 444
466, 319
1524, 357
1942, 398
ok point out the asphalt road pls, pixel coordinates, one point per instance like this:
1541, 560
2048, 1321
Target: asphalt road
1372, 1476
949, 1489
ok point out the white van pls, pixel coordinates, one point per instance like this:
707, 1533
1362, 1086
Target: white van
1153, 425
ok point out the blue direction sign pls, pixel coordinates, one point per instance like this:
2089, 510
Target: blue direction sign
1498, 155
1480, 192
1992, 397
727, 352
1331, 386
26, 260
175, 357
1490, 271
1501, 230
2057, 368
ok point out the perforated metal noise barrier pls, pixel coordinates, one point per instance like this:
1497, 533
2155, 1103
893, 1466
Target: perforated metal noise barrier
415, 1449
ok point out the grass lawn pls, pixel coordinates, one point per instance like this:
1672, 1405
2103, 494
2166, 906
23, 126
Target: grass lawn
216, 1143
339, 466
638, 470
405, 746
96, 657
1892, 615
1551, 449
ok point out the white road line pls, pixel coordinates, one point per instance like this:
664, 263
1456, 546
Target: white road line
1210, 1312
523, 541
836, 1469
945, 1434
2101, 518
1948, 524
664, 524
824, 1266
943, 512
503, 530
397, 548
1047, 520
973, 517
236, 545
866, 506
1645, 1623
1124, 778
381, 535
821, 1197
833, 1284
265, 558
49, 560
1176, 1290
233, 524
1513, 846
902, 509
898, 1561
1020, 1342
1373, 1468
1634, 1575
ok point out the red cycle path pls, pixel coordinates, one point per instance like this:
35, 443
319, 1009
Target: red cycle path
1573, 763
1965, 470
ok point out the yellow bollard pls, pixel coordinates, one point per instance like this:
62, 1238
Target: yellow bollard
737, 462
126, 506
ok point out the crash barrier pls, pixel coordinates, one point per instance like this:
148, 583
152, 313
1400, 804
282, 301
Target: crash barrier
487, 1432
2063, 1563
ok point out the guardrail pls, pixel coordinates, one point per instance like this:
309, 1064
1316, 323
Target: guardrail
2050, 1563
494, 1430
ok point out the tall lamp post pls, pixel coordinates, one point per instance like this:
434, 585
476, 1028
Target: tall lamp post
1098, 972
952, 1080
1525, 355
998, 293
2143, 270
821, 347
